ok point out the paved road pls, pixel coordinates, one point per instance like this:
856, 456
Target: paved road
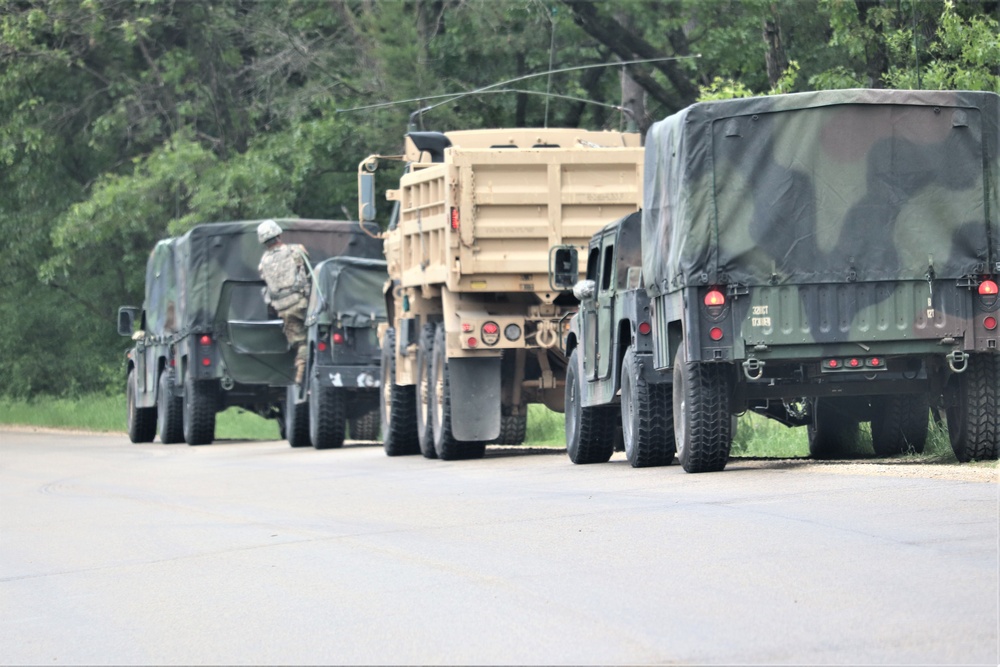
252, 552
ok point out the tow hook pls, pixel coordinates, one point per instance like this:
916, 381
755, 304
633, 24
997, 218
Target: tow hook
227, 383
753, 368
958, 361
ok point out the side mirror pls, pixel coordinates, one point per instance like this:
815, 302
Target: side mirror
366, 196
564, 268
126, 320
585, 290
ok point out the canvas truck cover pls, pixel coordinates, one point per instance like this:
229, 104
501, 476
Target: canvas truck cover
349, 291
823, 187
161, 290
210, 255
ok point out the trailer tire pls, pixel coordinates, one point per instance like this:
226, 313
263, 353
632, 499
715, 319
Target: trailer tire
703, 424
201, 398
833, 432
364, 427
326, 415
647, 417
140, 422
590, 431
296, 416
445, 444
899, 424
423, 391
974, 414
169, 410
396, 405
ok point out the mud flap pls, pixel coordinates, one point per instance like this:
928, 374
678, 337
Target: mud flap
475, 398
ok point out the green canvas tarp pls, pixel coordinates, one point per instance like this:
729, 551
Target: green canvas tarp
349, 292
823, 187
218, 261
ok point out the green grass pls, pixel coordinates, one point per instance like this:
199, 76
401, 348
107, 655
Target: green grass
756, 436
107, 414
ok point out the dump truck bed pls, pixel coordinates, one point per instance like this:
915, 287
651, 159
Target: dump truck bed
485, 219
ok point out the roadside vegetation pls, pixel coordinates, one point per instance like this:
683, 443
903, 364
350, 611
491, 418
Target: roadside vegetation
756, 436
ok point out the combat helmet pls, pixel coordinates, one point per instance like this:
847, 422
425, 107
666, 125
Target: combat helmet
268, 230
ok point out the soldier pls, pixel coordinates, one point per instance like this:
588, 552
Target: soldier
285, 269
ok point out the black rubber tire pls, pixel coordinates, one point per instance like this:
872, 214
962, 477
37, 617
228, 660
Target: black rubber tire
590, 432
703, 420
201, 400
327, 421
169, 410
396, 406
899, 424
833, 432
513, 429
296, 417
974, 419
365, 427
423, 390
140, 422
647, 417
447, 447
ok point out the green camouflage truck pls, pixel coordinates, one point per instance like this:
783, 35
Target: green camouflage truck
204, 340
823, 259
342, 374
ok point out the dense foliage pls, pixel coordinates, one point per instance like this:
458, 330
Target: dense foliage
125, 121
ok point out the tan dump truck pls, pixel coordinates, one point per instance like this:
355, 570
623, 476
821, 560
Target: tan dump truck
485, 225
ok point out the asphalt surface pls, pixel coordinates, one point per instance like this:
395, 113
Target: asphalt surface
256, 553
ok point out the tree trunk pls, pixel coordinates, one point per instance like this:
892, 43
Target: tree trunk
775, 57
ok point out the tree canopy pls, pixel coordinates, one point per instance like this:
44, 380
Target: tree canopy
123, 122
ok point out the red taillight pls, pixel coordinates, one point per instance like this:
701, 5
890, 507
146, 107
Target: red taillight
645, 328
172, 363
990, 322
854, 363
205, 340
206, 362
874, 361
454, 218
467, 328
337, 338
987, 288
715, 333
715, 298
473, 342
832, 363
491, 328
321, 346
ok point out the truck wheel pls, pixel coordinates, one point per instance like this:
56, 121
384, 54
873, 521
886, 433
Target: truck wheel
445, 444
513, 429
326, 415
647, 417
833, 432
899, 424
590, 432
200, 400
423, 392
169, 410
974, 419
703, 424
141, 422
296, 416
365, 427
396, 405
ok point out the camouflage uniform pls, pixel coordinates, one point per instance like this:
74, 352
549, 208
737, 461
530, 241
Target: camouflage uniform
283, 268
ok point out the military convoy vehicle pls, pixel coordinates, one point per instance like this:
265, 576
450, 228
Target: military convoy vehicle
204, 340
342, 370
474, 318
823, 259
